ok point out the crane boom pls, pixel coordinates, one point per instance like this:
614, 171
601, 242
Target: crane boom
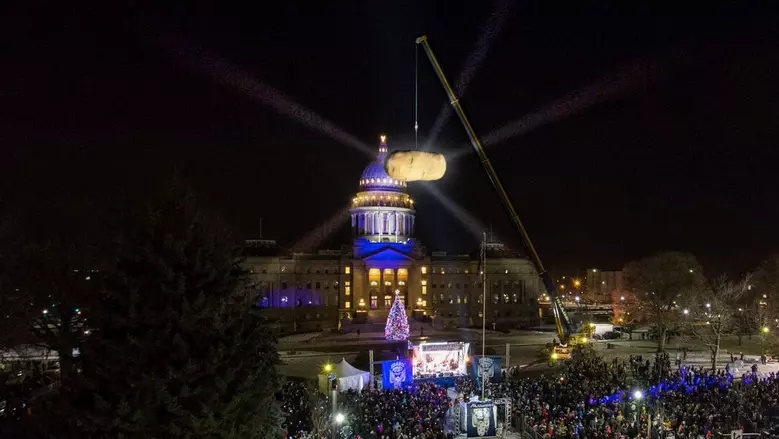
564, 327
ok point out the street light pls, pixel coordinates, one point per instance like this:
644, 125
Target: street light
621, 297
763, 333
708, 305
686, 311
576, 298
638, 394
339, 418
328, 367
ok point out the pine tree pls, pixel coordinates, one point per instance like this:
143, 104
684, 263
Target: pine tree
397, 322
175, 351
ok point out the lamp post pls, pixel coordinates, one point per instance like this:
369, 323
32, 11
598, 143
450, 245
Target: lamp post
763, 333
338, 419
483, 305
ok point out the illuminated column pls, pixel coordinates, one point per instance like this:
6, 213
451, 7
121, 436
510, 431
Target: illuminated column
396, 226
380, 299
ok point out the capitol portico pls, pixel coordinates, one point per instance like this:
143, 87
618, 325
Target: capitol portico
357, 283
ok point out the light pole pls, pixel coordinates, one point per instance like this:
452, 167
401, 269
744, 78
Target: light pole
483, 306
338, 419
763, 333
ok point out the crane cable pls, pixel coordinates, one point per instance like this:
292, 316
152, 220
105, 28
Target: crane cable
416, 96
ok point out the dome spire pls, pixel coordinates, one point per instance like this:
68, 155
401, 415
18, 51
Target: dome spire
382, 144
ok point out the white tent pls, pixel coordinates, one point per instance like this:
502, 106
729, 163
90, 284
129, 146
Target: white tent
347, 376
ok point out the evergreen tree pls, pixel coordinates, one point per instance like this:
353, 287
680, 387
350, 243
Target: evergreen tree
175, 352
397, 322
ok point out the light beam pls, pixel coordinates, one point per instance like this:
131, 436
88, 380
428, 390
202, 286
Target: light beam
502, 11
228, 74
472, 225
569, 105
311, 241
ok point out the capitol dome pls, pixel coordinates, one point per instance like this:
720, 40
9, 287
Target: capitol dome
382, 211
374, 177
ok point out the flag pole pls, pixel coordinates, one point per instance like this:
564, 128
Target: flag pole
483, 305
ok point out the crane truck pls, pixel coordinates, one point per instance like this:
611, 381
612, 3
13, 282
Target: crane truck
566, 331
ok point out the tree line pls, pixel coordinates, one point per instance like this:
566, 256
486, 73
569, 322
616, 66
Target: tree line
148, 310
669, 293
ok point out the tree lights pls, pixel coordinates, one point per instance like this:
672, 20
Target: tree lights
397, 321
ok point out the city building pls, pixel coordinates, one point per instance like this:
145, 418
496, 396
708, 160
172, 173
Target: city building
602, 283
357, 284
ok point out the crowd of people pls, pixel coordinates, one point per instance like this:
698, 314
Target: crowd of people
594, 399
590, 398
418, 411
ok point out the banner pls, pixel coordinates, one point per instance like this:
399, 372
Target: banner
481, 419
487, 367
396, 374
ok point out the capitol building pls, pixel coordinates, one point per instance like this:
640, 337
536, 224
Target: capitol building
357, 283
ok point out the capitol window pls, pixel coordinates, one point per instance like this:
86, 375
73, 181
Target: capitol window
347, 270
347, 304
424, 269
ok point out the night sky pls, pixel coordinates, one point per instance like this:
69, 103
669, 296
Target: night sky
652, 129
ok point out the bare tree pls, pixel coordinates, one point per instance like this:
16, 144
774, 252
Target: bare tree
762, 309
626, 311
713, 312
659, 282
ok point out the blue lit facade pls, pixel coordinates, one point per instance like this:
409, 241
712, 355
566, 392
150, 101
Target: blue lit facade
357, 283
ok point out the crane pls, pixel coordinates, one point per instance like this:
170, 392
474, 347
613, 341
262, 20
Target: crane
565, 329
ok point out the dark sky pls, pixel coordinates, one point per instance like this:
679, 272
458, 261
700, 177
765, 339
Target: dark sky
676, 149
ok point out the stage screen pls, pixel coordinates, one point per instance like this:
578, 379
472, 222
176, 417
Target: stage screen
440, 359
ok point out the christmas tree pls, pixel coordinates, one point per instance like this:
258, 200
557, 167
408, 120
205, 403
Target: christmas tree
397, 322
